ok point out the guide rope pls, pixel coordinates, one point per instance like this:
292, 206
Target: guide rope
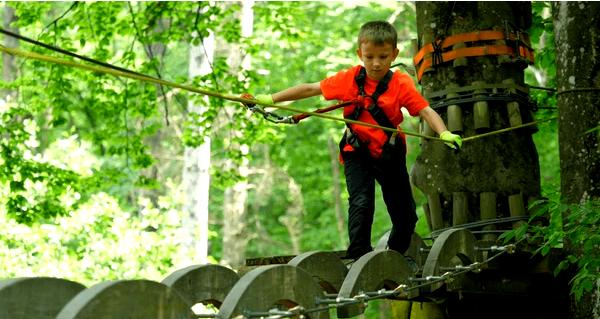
106, 68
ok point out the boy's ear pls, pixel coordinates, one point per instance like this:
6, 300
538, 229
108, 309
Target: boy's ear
395, 54
359, 53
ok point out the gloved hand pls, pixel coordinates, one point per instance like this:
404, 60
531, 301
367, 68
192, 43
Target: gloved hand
453, 140
264, 98
260, 98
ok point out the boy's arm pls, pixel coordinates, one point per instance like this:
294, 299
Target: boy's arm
298, 92
436, 123
433, 119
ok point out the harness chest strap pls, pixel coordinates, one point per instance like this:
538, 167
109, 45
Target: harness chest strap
376, 112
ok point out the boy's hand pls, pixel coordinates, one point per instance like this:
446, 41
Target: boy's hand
260, 98
264, 98
453, 140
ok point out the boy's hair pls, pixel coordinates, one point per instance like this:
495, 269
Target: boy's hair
378, 32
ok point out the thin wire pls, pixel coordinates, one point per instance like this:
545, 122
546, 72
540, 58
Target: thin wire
63, 51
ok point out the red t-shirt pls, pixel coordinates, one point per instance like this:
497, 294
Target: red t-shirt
401, 92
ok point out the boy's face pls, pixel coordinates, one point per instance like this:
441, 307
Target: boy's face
377, 59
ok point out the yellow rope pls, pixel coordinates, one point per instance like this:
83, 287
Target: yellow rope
146, 78
466, 139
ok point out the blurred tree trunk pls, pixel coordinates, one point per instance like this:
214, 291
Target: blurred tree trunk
576, 29
196, 161
235, 235
337, 192
9, 69
294, 215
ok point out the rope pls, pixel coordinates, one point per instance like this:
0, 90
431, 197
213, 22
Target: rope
120, 72
63, 51
466, 139
150, 79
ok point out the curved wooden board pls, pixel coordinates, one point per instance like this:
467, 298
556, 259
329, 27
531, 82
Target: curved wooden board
207, 284
451, 248
35, 297
326, 268
267, 287
373, 271
131, 299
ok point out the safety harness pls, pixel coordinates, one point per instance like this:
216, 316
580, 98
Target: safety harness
373, 108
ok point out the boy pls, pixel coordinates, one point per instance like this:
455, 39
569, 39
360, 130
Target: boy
371, 154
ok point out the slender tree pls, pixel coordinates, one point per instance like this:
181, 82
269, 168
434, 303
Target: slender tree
196, 163
235, 197
576, 26
9, 69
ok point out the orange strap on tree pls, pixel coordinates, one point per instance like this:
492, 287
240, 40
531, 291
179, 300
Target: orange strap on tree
433, 53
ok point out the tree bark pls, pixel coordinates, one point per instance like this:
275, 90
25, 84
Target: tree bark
196, 164
9, 68
576, 29
337, 192
294, 215
504, 164
234, 211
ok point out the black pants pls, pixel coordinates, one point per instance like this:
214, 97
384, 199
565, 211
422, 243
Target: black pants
361, 171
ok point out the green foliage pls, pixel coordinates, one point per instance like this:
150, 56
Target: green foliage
35, 188
542, 78
573, 227
99, 241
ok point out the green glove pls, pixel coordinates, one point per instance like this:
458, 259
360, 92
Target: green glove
452, 139
264, 98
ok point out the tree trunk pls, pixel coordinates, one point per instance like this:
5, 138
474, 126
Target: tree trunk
506, 164
337, 192
294, 215
490, 177
9, 69
196, 163
234, 210
576, 28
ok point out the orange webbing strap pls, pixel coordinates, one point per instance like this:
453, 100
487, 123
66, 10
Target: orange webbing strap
298, 117
488, 35
478, 51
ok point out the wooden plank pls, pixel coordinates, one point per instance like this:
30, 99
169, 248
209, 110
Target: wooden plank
487, 208
435, 211
460, 208
517, 208
276, 260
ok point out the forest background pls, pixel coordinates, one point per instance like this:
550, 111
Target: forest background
95, 169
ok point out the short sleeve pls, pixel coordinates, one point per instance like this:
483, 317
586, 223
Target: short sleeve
410, 98
340, 85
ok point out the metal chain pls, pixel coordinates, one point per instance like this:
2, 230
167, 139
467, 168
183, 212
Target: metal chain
400, 292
